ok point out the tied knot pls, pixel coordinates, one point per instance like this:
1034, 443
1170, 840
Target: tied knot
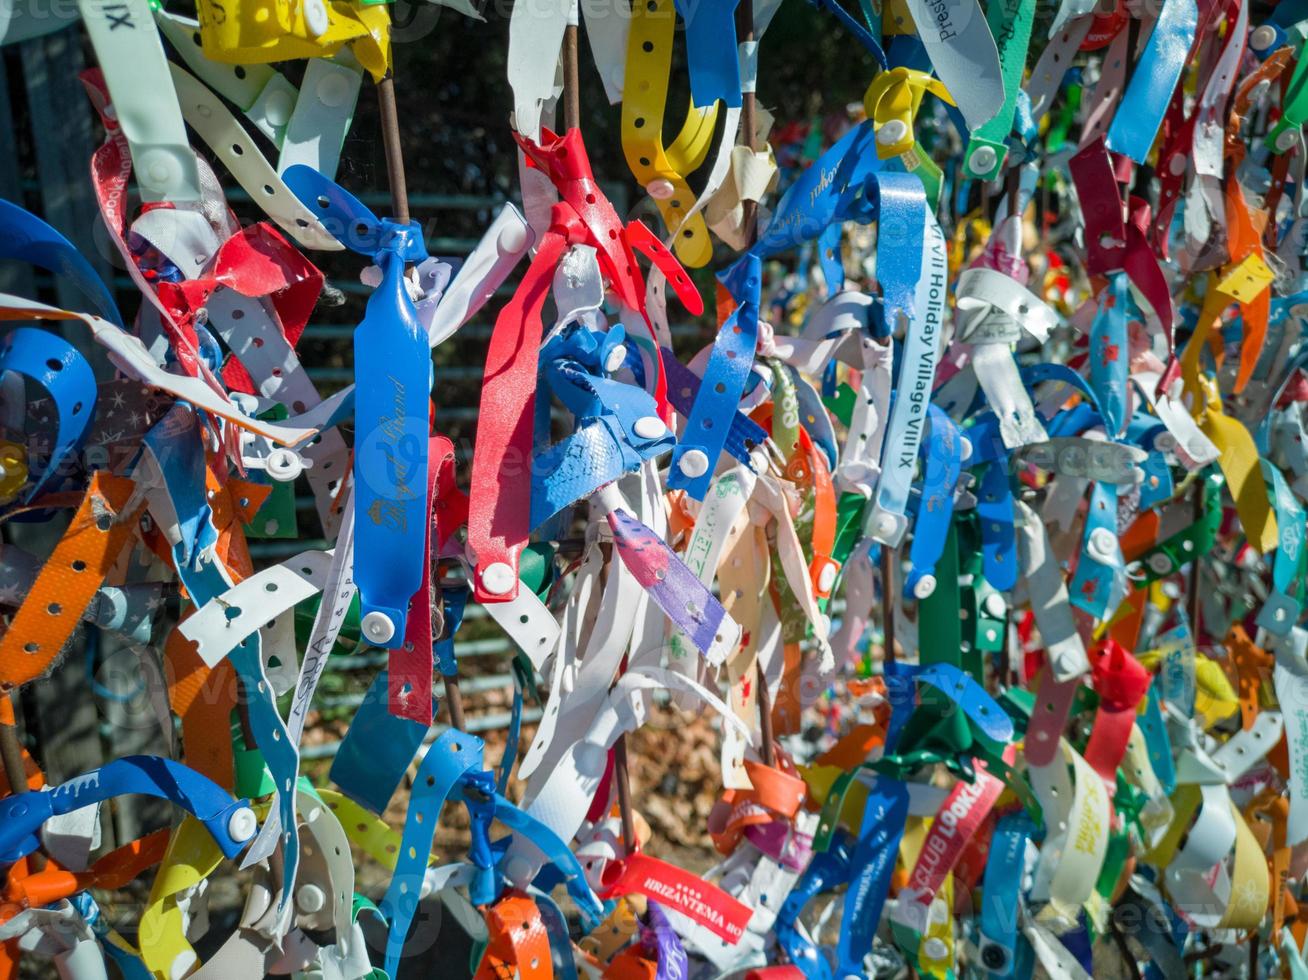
766, 345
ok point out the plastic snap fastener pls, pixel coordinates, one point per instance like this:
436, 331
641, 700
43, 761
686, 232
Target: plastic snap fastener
1160, 563
827, 578
994, 957
694, 463
497, 578
161, 169
660, 189
1285, 140
1196, 448
315, 17
283, 465
333, 90
377, 627
512, 238
242, 824
1102, 543
1263, 38
924, 587
1072, 461
1178, 164
995, 605
965, 449
983, 160
614, 361
891, 132
650, 427
277, 110
935, 949
885, 525
518, 870
310, 899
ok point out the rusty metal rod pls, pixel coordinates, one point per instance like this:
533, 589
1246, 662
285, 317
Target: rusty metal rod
749, 123
571, 82
888, 602
390, 130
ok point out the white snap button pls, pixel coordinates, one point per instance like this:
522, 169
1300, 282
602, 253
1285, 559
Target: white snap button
242, 824
694, 463
891, 132
924, 587
333, 90
1102, 543
650, 427
1160, 563
497, 578
277, 110
615, 358
935, 949
315, 17
995, 606
885, 525
1285, 140
310, 899
161, 169
983, 160
377, 627
512, 238
1263, 38
1178, 164
827, 578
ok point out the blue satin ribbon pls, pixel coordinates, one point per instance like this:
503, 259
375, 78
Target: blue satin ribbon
393, 377
452, 769
58, 367
376, 750
711, 51
956, 685
176, 442
870, 867
824, 872
1110, 354
26, 238
1280, 612
1099, 582
743, 434
1157, 70
1157, 743
1001, 892
861, 33
994, 508
1157, 487
606, 441
23, 814
816, 197
725, 376
451, 757
942, 457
